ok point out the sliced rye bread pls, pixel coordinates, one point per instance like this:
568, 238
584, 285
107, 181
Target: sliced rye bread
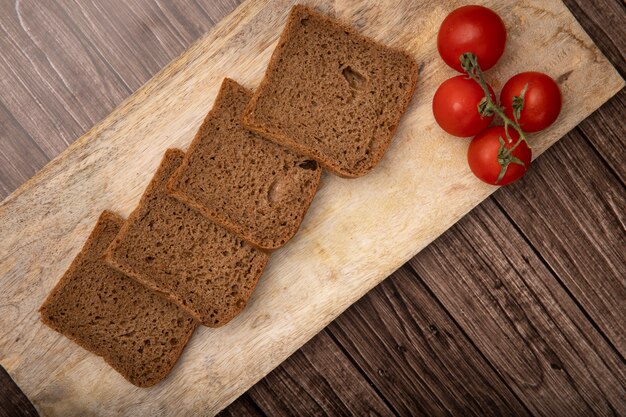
332, 94
253, 187
135, 330
172, 248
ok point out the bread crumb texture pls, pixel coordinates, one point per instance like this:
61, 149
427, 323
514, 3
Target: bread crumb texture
332, 94
254, 187
139, 333
175, 250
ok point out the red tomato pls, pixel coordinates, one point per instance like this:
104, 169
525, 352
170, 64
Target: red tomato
455, 106
542, 100
482, 156
474, 29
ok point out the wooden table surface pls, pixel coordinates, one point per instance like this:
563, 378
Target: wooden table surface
518, 309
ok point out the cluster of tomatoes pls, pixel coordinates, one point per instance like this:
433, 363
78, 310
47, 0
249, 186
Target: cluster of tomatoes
472, 39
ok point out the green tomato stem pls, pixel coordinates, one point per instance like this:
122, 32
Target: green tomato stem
469, 62
487, 107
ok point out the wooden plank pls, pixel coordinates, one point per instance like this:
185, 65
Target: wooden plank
108, 50
242, 407
606, 130
521, 319
604, 22
572, 210
20, 157
343, 248
419, 359
38, 91
137, 38
12, 402
317, 380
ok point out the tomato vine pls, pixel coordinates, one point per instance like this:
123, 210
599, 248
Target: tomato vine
487, 107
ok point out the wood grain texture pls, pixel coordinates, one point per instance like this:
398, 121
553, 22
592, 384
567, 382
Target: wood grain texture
605, 19
242, 407
585, 247
13, 403
19, 154
605, 128
50, 111
514, 310
433, 19
317, 380
66, 64
418, 358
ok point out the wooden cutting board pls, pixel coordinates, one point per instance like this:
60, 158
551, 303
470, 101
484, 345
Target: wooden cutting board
356, 233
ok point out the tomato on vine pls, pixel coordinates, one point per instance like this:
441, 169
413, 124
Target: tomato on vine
541, 100
475, 29
498, 159
455, 107
502, 148
472, 39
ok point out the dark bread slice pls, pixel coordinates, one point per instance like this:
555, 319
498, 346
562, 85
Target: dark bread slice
332, 94
138, 332
249, 185
172, 248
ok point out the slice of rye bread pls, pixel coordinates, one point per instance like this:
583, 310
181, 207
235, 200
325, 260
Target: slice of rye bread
138, 332
251, 186
332, 94
172, 248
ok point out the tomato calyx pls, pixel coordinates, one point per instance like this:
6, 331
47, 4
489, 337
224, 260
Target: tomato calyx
518, 104
488, 107
506, 157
